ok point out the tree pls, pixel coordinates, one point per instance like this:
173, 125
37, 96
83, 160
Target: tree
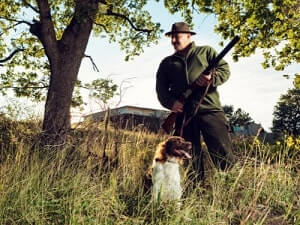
270, 25
297, 81
228, 110
287, 113
60, 30
238, 117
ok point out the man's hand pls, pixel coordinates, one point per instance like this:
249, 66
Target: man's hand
177, 107
204, 79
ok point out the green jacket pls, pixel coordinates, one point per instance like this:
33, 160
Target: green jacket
176, 72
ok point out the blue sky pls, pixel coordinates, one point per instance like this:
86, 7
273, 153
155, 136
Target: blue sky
250, 87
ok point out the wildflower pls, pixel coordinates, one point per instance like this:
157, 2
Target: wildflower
256, 141
290, 141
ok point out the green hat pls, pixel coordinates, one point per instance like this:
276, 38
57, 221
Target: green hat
180, 27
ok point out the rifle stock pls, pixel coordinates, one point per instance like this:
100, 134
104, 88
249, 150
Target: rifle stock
169, 123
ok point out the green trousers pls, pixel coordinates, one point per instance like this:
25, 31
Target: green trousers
215, 131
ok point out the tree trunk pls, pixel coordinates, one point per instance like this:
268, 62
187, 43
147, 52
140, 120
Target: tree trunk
65, 56
57, 119
64, 72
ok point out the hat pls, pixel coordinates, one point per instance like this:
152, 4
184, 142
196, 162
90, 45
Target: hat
180, 27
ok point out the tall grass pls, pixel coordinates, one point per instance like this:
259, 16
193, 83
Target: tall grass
81, 185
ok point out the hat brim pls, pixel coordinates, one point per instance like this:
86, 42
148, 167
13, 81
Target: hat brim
176, 32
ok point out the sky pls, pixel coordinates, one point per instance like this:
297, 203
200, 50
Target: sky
250, 87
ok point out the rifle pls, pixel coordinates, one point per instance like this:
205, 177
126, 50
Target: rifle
169, 122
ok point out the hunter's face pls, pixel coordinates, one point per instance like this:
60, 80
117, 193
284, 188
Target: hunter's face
180, 41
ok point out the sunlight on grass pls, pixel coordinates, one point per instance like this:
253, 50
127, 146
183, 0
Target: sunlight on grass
81, 185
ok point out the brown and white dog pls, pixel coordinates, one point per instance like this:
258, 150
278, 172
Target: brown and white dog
165, 168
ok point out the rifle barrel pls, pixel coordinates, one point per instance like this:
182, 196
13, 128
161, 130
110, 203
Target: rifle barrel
221, 54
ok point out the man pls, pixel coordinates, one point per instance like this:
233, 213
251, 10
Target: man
174, 75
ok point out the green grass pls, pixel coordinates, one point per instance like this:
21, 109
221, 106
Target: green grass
77, 186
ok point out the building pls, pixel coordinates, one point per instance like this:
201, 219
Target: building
251, 129
132, 117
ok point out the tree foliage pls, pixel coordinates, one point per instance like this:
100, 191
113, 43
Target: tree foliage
287, 113
102, 90
22, 53
270, 25
237, 117
297, 81
45, 42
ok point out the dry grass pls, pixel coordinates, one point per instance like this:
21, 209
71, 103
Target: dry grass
82, 185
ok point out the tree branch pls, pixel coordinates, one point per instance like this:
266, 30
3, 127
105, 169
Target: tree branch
16, 24
17, 21
78, 30
101, 25
194, 8
93, 63
138, 34
111, 13
122, 89
33, 87
45, 28
31, 6
11, 55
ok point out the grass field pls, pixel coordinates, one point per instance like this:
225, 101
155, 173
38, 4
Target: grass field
79, 184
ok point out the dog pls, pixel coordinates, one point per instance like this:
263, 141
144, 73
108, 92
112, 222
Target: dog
165, 169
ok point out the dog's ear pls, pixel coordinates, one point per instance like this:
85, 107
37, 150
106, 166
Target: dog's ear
169, 145
173, 141
160, 154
